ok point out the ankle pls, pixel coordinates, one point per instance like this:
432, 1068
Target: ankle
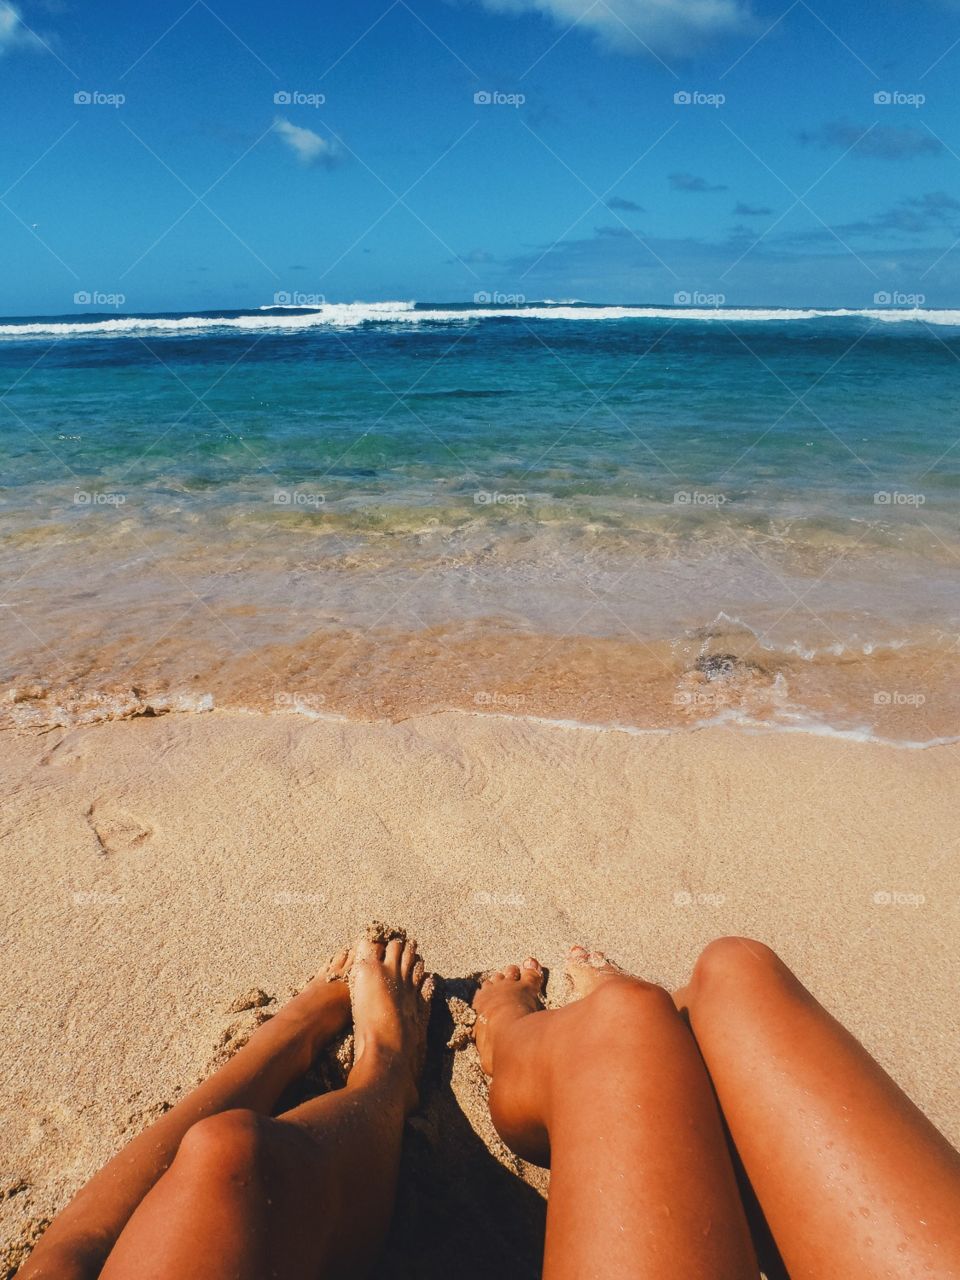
311, 1026
386, 1071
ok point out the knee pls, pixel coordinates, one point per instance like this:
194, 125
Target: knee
733, 962
229, 1143
615, 1005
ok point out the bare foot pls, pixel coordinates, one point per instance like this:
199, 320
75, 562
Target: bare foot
391, 1009
586, 970
503, 998
322, 1008
528, 1058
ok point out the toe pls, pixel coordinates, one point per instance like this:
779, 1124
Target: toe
512, 972
586, 969
532, 974
581, 957
393, 955
366, 951
340, 964
408, 959
418, 972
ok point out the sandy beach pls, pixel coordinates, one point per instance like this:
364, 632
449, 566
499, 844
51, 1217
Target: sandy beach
156, 870
483, 476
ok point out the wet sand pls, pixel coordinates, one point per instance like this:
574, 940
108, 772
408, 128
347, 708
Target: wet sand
155, 870
719, 672
654, 627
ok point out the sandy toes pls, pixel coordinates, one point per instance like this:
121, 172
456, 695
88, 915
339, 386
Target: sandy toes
391, 995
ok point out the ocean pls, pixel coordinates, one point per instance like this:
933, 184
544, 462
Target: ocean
649, 518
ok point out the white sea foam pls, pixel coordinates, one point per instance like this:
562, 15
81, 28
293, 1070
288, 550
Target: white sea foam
98, 708
293, 318
728, 623
730, 719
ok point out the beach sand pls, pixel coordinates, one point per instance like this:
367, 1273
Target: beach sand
157, 869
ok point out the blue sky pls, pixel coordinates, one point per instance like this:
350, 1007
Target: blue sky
783, 180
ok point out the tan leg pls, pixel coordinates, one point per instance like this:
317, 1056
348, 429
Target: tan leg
852, 1178
76, 1245
611, 1091
306, 1195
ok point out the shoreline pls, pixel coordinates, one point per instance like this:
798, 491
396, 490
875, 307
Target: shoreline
713, 674
157, 868
732, 724
102, 709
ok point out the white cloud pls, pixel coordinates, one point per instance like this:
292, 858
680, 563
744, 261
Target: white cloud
667, 26
307, 146
13, 34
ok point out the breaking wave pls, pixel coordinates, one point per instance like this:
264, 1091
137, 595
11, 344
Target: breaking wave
291, 318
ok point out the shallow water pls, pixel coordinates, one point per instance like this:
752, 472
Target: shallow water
650, 519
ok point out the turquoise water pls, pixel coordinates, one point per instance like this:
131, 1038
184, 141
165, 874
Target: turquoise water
804, 417
563, 470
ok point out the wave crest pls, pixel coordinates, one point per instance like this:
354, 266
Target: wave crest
290, 318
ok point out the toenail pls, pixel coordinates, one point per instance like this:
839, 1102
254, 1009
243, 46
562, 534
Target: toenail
530, 963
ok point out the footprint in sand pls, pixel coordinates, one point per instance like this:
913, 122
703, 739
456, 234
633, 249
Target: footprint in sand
117, 830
